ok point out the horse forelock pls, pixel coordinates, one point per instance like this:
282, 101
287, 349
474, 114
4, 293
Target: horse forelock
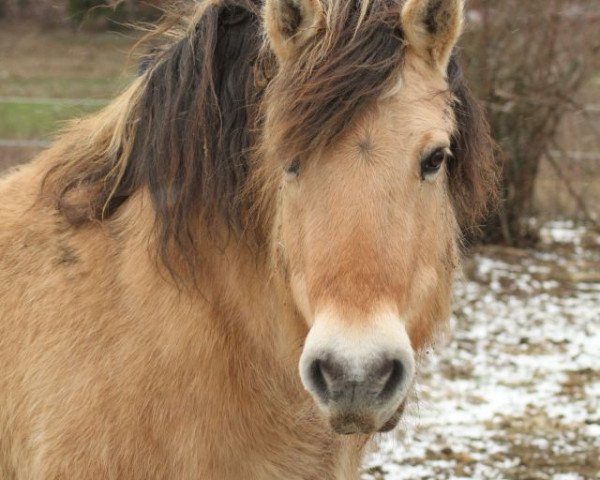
190, 130
353, 61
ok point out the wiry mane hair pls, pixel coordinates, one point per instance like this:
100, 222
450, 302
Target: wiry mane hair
183, 131
189, 129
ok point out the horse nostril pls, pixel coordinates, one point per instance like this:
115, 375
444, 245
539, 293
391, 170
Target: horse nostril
346, 385
318, 380
392, 372
325, 374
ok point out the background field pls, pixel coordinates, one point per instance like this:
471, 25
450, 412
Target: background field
50, 76
513, 392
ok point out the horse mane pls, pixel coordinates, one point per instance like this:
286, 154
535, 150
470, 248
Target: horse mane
189, 128
475, 168
183, 130
474, 171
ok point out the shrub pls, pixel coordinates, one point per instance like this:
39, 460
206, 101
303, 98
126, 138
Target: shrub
528, 60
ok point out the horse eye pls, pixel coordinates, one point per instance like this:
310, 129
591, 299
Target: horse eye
293, 169
432, 163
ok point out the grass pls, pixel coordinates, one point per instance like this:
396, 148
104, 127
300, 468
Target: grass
55, 64
61, 64
65, 85
27, 121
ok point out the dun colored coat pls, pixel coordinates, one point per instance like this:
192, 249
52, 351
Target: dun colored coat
229, 271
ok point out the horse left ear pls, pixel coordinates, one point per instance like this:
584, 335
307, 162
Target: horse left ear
432, 28
289, 23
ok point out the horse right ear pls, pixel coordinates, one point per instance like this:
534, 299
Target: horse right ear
289, 23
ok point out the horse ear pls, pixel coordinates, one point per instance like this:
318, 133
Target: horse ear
289, 23
432, 28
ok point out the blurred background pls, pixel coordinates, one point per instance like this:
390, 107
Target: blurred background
514, 391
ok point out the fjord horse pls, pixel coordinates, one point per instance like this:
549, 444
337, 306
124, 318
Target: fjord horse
228, 272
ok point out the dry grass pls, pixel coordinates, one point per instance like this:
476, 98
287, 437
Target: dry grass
63, 63
55, 64
12, 156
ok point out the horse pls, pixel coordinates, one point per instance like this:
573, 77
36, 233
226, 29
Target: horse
230, 271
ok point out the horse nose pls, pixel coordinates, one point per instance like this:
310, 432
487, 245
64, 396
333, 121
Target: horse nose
338, 385
359, 376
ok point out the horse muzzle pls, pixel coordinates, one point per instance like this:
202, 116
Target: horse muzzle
358, 375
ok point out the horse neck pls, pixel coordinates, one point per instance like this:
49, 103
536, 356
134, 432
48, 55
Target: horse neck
239, 295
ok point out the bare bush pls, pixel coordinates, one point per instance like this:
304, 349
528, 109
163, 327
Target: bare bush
528, 60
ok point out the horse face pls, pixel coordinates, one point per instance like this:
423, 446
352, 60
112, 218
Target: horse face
368, 235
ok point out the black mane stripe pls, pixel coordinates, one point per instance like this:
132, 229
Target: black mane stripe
193, 135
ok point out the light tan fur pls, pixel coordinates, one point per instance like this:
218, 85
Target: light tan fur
445, 17
279, 18
109, 370
345, 207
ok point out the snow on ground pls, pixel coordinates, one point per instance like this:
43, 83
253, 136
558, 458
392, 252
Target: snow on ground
515, 391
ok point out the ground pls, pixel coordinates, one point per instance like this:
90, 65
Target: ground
514, 393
